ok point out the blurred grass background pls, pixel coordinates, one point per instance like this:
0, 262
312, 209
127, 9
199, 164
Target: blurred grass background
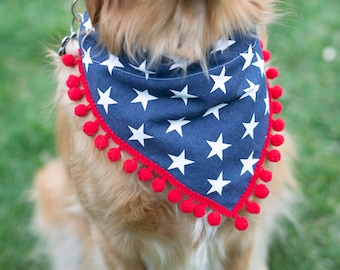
303, 45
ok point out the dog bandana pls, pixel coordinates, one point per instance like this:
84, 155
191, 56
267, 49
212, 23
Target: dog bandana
204, 134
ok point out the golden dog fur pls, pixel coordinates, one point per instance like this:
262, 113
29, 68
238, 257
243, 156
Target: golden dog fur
92, 214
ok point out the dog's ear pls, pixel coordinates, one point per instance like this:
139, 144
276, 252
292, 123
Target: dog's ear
94, 7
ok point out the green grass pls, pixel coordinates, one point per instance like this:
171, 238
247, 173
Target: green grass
312, 112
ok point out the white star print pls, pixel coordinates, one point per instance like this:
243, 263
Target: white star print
218, 184
251, 91
248, 164
179, 162
220, 81
184, 95
222, 45
248, 57
250, 128
143, 97
139, 135
87, 59
218, 147
176, 125
259, 64
142, 68
215, 110
266, 102
88, 26
111, 63
179, 63
105, 99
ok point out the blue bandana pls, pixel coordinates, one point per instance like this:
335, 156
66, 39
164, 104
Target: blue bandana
205, 134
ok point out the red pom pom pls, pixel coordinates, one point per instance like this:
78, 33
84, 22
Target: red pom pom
261, 44
266, 176
114, 154
278, 124
214, 219
101, 142
130, 165
272, 73
276, 91
72, 81
158, 185
241, 223
90, 128
145, 174
199, 210
277, 140
69, 60
174, 196
81, 110
277, 107
261, 191
266, 55
274, 156
253, 208
187, 206
75, 93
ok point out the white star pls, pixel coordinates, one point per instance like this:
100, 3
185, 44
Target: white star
88, 25
218, 147
259, 64
179, 162
266, 102
177, 125
251, 91
179, 63
248, 164
215, 110
218, 184
111, 63
220, 81
222, 45
143, 97
87, 59
105, 99
142, 68
184, 95
248, 57
250, 128
139, 135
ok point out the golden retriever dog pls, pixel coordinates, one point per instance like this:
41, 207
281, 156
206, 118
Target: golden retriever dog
106, 204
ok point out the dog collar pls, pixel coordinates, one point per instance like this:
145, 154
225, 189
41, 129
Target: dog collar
205, 135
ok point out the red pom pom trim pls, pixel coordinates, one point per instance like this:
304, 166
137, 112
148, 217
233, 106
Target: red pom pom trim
174, 196
272, 73
261, 191
277, 107
274, 156
130, 165
253, 208
266, 176
276, 91
187, 206
278, 124
101, 142
266, 55
145, 174
75, 93
81, 110
214, 218
72, 81
277, 140
90, 128
158, 184
69, 60
241, 223
114, 154
199, 210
